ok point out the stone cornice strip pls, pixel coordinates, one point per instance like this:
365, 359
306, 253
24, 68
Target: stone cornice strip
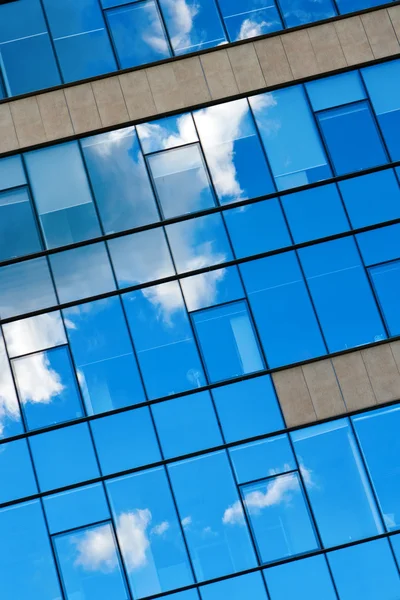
220, 74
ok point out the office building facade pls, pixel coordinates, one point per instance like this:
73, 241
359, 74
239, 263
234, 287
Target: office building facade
199, 281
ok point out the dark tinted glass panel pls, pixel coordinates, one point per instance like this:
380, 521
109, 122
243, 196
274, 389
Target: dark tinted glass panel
18, 231
249, 18
307, 579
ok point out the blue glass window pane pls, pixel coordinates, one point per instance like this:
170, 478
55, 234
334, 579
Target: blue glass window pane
315, 213
64, 456
233, 151
380, 245
257, 228
10, 416
103, 355
377, 433
120, 181
352, 137
214, 287
247, 408
34, 333
395, 543
347, 6
336, 482
25, 287
90, 565
18, 231
11, 172
249, 18
12, 26
187, 595
80, 38
138, 34
300, 12
62, 194
28, 570
372, 198
187, 424
16, 473
228, 341
82, 272
237, 588
290, 137
262, 459
366, 571
141, 257
282, 309
168, 132
29, 64
211, 515
279, 517
202, 26
149, 533
382, 85
163, 340
386, 282
306, 579
47, 388
76, 508
342, 294
336, 90
199, 243
125, 440
181, 181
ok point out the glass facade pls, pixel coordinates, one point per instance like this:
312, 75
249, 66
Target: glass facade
152, 279
44, 43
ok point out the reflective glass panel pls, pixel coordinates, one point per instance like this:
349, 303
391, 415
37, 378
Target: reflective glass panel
386, 282
233, 151
212, 516
329, 92
181, 181
290, 136
82, 272
16, 473
237, 588
34, 333
18, 231
262, 459
202, 27
149, 533
352, 137
103, 355
47, 388
228, 341
380, 245
10, 416
12, 172
249, 18
62, 194
298, 12
120, 180
366, 571
26, 549
138, 34
76, 508
336, 483
90, 565
163, 339
282, 309
125, 440
168, 132
247, 408
215, 287
342, 295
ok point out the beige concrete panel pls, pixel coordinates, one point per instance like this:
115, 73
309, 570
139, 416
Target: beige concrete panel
110, 101
137, 93
394, 14
8, 135
55, 115
300, 53
246, 67
327, 48
28, 121
82, 108
383, 372
219, 74
353, 40
354, 381
273, 60
380, 33
324, 389
395, 348
294, 397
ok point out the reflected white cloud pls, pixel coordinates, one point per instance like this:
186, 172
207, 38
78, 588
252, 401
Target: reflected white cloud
186, 521
159, 136
133, 538
37, 381
161, 528
9, 408
251, 28
96, 550
34, 334
182, 16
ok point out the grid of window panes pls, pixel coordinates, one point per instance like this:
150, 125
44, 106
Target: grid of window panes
134, 368
61, 41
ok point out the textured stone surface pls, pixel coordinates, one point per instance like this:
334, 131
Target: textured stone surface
294, 397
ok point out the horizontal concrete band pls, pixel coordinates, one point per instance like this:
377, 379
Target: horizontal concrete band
188, 82
340, 385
